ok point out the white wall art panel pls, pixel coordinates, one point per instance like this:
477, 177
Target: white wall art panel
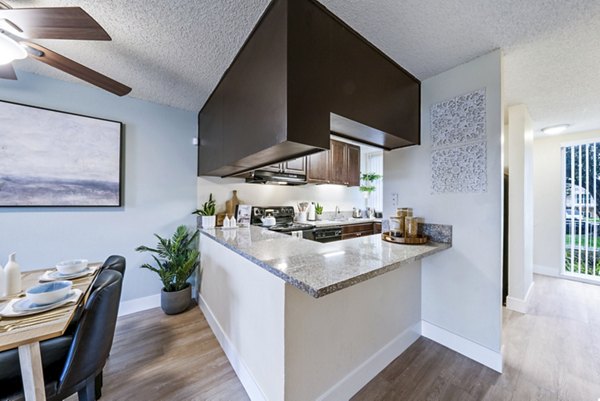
458, 120
458, 140
459, 169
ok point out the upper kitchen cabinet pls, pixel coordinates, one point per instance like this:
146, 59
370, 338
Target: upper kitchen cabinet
340, 165
301, 75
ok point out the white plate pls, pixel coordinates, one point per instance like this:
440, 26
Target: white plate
56, 275
23, 307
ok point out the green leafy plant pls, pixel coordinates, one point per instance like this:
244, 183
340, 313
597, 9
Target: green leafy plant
208, 208
319, 209
176, 258
368, 179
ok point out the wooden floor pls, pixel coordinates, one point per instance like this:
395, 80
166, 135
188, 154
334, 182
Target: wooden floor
553, 353
168, 358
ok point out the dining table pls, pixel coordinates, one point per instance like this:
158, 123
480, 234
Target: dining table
26, 332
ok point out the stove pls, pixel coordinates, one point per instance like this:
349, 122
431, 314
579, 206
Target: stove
284, 219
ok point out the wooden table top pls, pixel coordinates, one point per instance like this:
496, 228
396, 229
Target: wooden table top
42, 326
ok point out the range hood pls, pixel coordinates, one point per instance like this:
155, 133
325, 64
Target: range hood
270, 177
302, 75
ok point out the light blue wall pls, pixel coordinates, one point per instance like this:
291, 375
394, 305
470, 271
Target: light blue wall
159, 191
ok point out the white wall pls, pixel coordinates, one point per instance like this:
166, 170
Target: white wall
336, 344
547, 198
520, 203
244, 305
327, 195
461, 287
160, 185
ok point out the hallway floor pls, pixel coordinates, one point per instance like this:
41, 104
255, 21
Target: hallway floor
551, 353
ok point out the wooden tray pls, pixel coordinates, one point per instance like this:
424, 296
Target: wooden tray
386, 236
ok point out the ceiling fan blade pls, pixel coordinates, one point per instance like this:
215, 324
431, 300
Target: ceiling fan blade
55, 23
80, 71
7, 72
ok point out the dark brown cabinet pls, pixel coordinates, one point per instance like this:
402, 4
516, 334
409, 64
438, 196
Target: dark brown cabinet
360, 230
357, 230
317, 171
353, 165
339, 165
295, 166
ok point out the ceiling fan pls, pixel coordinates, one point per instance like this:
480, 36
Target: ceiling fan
18, 26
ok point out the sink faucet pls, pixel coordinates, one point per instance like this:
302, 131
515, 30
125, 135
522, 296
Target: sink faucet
337, 213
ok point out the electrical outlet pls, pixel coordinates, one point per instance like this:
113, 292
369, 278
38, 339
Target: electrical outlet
395, 199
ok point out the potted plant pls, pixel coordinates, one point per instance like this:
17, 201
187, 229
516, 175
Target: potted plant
208, 213
367, 188
319, 211
176, 259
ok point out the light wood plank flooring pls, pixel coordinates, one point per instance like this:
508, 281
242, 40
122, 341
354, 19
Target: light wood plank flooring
168, 358
550, 354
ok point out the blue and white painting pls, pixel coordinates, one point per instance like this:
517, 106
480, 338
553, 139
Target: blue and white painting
50, 158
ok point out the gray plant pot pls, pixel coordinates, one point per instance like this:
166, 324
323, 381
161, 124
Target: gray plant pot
175, 302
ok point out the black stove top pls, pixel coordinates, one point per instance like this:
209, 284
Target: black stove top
286, 227
284, 218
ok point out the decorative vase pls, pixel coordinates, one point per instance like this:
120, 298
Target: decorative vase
209, 221
175, 302
12, 276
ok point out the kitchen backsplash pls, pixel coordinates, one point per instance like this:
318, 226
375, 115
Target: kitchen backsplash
329, 196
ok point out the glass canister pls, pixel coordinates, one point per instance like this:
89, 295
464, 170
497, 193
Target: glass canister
411, 226
397, 226
404, 212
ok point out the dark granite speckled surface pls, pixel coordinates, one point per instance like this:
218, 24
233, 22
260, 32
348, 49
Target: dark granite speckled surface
320, 268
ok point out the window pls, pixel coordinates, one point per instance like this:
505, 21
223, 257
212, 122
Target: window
581, 228
374, 164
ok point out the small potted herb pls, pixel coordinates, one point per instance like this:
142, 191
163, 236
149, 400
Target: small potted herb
207, 211
319, 211
176, 259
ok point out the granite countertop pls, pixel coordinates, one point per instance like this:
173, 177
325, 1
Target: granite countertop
320, 268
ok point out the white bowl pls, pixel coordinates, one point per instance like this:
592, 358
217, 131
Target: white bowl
71, 266
48, 293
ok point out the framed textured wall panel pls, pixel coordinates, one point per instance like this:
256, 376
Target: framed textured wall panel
55, 158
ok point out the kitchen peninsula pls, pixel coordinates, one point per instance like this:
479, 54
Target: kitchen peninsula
281, 306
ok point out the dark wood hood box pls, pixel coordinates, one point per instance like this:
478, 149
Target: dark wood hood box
302, 74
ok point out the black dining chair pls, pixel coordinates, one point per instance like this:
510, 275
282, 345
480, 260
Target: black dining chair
73, 368
115, 262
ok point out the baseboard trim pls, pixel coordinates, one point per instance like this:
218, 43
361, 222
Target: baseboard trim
468, 348
546, 270
243, 373
366, 371
519, 305
139, 304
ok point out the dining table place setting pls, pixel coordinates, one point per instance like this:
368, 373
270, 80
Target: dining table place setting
45, 296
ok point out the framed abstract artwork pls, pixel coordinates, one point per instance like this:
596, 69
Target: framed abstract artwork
54, 158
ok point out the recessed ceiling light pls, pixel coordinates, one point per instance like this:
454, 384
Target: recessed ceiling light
555, 129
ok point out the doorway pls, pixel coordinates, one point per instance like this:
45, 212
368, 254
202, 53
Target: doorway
581, 201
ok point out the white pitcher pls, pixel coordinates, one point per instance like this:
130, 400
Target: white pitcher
12, 276
2, 282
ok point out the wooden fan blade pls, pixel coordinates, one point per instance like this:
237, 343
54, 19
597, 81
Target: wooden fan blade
80, 71
55, 23
7, 72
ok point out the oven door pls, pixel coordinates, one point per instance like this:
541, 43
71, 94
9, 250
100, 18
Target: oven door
328, 234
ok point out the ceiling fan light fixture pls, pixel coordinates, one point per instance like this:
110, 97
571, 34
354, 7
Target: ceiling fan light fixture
555, 129
10, 50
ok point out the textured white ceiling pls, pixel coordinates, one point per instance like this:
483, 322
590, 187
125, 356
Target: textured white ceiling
175, 52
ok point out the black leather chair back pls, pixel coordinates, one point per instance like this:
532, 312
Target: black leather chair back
115, 262
93, 337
